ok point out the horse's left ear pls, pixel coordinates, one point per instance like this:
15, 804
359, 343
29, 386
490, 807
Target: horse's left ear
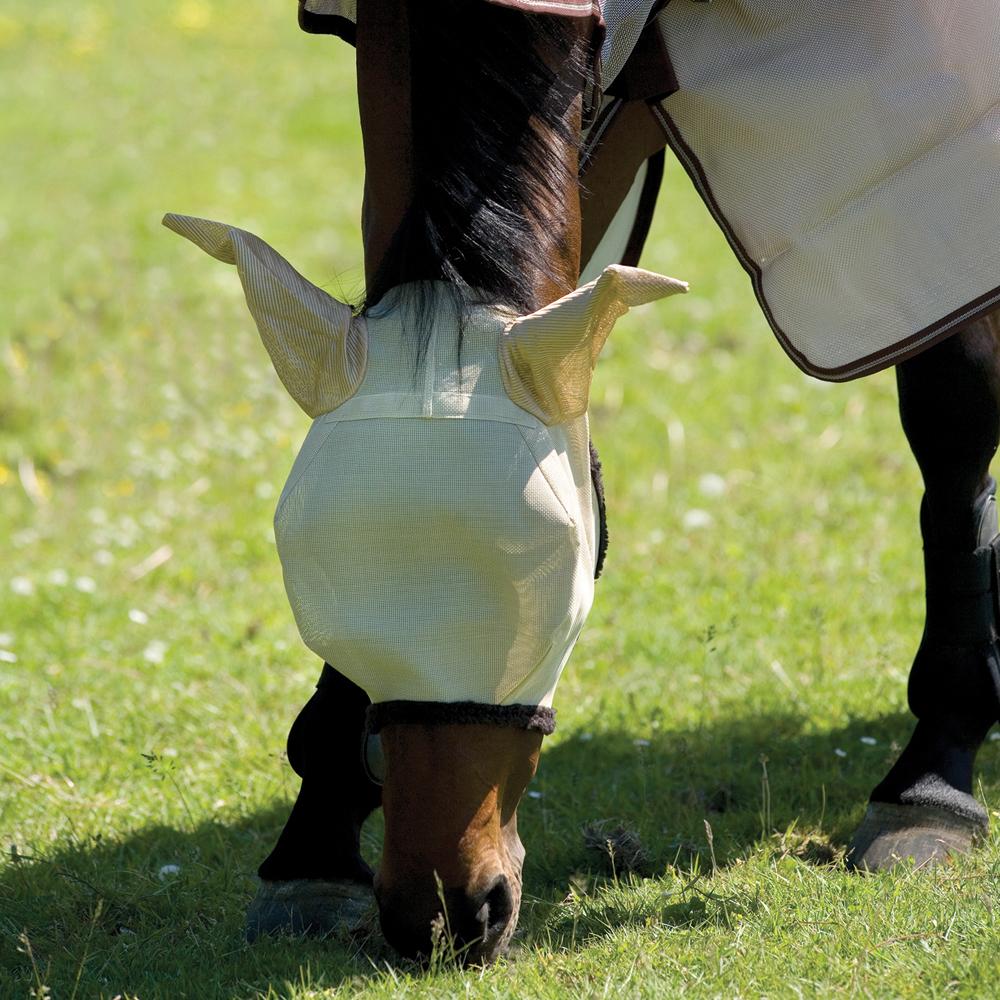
547, 358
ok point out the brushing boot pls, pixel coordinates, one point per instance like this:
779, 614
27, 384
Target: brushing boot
315, 880
924, 809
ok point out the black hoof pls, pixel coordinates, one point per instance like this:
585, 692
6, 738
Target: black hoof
310, 906
927, 835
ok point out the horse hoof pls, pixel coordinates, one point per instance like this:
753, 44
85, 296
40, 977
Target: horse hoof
890, 833
310, 906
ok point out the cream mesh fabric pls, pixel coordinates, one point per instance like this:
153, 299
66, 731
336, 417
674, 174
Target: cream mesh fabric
318, 350
852, 150
625, 21
333, 8
434, 543
437, 540
548, 358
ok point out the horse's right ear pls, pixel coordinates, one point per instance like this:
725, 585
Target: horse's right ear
547, 358
318, 352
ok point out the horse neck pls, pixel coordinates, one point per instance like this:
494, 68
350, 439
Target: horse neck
399, 112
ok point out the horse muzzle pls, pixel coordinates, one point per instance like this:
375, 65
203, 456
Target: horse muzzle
449, 882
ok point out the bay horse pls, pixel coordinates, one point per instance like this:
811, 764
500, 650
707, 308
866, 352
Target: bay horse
471, 115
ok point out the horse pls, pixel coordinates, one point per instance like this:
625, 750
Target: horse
475, 177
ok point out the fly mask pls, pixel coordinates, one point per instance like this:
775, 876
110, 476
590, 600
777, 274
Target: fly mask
437, 532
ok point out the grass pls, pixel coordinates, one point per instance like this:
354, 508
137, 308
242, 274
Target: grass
756, 620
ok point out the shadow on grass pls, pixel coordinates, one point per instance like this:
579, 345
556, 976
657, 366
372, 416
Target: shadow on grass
746, 776
755, 779
106, 910
114, 912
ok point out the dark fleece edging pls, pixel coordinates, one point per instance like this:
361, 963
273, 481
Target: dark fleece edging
597, 478
444, 713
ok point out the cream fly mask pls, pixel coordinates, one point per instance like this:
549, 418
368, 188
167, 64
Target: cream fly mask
437, 532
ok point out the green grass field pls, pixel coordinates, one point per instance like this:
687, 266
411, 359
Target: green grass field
743, 672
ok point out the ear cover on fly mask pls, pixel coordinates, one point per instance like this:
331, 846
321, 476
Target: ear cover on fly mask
547, 358
318, 351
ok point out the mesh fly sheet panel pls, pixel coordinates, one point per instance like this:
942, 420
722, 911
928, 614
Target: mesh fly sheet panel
850, 152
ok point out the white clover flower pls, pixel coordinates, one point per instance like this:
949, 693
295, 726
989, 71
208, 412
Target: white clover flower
85, 584
58, 577
137, 616
155, 652
712, 485
695, 519
22, 585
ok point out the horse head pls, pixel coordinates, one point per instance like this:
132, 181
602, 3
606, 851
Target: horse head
444, 566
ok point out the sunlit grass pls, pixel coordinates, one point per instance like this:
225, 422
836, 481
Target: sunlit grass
745, 664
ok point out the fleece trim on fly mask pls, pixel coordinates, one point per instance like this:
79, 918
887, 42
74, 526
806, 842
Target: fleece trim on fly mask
534, 718
438, 532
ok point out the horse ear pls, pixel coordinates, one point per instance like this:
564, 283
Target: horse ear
547, 358
318, 351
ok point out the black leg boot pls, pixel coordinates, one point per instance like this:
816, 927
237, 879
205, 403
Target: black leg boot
315, 880
924, 808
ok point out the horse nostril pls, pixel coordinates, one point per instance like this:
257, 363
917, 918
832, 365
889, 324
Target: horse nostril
478, 923
478, 920
497, 907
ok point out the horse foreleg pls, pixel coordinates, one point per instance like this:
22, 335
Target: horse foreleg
949, 400
315, 880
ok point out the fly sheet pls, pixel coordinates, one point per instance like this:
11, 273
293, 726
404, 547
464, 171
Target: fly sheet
850, 152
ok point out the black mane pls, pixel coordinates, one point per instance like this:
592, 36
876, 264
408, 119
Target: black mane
491, 95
